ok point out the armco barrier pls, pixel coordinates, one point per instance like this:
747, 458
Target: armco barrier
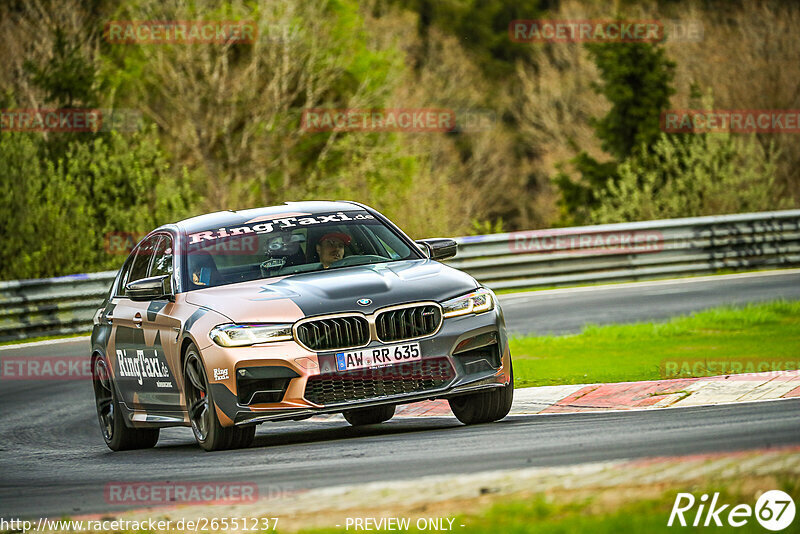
632, 251
565, 256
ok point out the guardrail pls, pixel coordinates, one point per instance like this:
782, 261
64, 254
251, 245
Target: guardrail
537, 258
51, 306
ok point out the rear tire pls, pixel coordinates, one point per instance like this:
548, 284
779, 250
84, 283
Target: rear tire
117, 435
369, 416
484, 407
208, 431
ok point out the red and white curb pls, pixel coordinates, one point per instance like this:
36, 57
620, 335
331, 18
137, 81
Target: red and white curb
637, 395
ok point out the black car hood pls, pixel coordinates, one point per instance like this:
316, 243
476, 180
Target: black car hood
333, 291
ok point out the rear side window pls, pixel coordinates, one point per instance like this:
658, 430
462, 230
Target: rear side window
162, 260
119, 290
141, 261
138, 264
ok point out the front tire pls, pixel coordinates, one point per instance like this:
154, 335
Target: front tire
117, 435
208, 431
369, 416
484, 407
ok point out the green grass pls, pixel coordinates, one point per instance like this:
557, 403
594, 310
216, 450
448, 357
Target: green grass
539, 514
45, 338
605, 511
617, 353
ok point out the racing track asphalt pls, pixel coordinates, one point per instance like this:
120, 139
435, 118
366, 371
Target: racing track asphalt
53, 461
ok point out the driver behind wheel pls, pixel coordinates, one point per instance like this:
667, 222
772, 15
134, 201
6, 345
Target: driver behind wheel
330, 247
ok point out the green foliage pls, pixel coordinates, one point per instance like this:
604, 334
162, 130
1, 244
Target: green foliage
233, 112
228, 121
691, 175
630, 352
654, 175
480, 227
132, 184
366, 68
578, 198
67, 77
481, 26
637, 81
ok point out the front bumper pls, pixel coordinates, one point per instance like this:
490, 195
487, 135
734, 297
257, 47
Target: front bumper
466, 343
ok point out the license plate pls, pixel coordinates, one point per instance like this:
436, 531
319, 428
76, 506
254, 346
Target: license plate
378, 356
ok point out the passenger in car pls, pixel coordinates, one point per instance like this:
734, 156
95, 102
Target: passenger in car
203, 269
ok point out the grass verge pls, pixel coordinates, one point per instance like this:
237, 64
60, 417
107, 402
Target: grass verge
609, 511
724, 340
44, 338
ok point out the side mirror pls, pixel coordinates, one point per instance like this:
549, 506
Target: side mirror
153, 288
439, 249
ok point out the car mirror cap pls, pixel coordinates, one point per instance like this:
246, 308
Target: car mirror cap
440, 248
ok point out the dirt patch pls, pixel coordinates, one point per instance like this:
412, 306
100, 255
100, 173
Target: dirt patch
603, 487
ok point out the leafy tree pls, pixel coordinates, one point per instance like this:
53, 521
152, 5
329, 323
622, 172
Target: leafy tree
67, 77
578, 198
693, 175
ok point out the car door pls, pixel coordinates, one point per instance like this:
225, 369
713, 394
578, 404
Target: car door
161, 328
139, 362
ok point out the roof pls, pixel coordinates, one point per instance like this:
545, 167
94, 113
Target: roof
229, 218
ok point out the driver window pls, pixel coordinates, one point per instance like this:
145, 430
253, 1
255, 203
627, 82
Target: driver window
119, 290
162, 261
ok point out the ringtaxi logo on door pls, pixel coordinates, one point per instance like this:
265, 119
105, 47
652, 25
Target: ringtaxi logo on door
774, 510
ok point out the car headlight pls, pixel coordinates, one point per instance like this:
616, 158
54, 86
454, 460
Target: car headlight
240, 335
479, 301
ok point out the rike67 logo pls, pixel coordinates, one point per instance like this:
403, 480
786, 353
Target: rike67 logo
774, 510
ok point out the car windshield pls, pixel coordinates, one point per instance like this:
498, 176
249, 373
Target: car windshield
277, 246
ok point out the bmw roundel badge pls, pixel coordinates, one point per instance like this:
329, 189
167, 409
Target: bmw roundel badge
364, 302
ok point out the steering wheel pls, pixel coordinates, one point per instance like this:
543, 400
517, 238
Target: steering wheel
272, 264
358, 259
